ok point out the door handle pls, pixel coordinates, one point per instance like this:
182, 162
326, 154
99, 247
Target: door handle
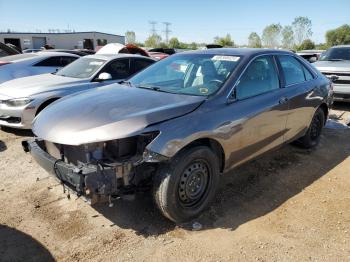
283, 100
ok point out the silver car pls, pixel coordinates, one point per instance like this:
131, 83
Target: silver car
335, 64
22, 99
16, 66
179, 124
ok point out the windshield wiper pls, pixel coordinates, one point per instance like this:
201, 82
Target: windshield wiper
155, 88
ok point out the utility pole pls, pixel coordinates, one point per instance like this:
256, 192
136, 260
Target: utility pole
167, 31
153, 27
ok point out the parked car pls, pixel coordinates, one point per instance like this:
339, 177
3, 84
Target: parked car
158, 55
117, 48
87, 51
310, 55
169, 51
5, 50
22, 99
75, 52
22, 65
181, 123
213, 46
26, 51
335, 64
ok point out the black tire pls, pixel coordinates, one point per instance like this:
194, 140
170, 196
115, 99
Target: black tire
313, 134
185, 186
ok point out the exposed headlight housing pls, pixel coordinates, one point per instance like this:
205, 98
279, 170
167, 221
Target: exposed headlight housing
18, 102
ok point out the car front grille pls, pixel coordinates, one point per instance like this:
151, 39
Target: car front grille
336, 73
341, 76
342, 82
342, 96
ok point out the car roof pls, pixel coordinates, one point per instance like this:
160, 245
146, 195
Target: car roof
238, 51
52, 53
340, 46
29, 56
115, 56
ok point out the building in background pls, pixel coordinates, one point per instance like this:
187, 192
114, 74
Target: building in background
72, 40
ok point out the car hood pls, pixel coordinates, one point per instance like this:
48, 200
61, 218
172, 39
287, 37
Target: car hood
27, 86
333, 66
107, 113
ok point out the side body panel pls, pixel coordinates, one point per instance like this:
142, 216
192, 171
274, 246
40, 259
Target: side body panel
245, 129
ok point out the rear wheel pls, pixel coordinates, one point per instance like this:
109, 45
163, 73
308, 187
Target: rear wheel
184, 187
313, 134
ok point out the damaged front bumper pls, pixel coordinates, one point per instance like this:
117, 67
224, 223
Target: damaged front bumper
96, 179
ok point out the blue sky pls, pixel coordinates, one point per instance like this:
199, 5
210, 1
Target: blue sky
194, 20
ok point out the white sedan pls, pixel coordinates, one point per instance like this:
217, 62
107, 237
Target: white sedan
22, 99
16, 66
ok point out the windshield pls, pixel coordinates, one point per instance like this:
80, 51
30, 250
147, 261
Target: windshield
191, 74
336, 54
81, 68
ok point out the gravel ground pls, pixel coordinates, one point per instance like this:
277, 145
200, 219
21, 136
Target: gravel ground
289, 205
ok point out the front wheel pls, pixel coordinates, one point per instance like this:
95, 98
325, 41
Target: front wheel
313, 134
184, 187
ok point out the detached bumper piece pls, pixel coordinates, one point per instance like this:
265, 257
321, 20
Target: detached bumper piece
86, 179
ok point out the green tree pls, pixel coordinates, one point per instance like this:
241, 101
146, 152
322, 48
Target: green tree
224, 41
153, 40
130, 37
174, 42
338, 36
140, 44
302, 29
307, 44
287, 37
163, 45
271, 35
183, 45
254, 40
193, 46
322, 46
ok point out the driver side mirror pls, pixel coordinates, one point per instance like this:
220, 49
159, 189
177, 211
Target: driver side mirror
103, 77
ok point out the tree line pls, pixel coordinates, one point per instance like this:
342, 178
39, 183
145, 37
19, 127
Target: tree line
295, 36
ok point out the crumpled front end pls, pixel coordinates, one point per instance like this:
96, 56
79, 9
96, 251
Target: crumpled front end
106, 169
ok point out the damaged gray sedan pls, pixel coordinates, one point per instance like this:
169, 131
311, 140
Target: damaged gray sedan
179, 124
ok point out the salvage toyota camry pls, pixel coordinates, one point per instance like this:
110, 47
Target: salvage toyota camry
179, 124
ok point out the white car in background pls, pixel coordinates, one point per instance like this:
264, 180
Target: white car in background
22, 99
16, 66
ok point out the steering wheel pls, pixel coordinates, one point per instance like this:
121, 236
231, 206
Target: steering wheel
216, 81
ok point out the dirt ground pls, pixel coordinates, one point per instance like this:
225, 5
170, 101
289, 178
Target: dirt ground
289, 205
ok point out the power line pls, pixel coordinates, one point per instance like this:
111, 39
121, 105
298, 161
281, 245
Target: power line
167, 31
153, 27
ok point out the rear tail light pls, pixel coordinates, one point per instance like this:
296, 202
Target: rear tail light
4, 63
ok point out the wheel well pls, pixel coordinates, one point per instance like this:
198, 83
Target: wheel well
213, 145
325, 110
45, 104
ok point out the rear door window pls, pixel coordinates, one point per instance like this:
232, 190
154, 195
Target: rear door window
308, 75
119, 69
260, 77
56, 61
65, 60
292, 69
140, 64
